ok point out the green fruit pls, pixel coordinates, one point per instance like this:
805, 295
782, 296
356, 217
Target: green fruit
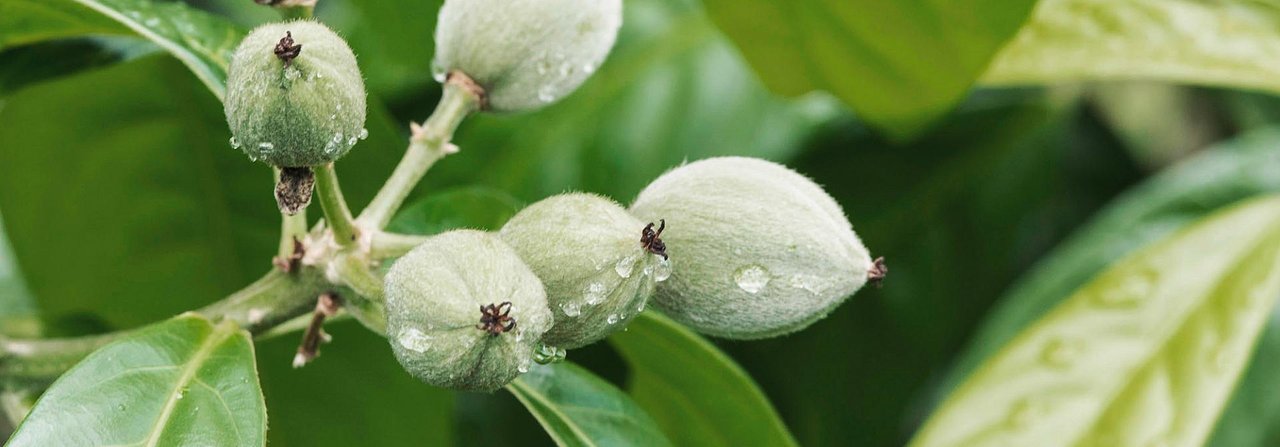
763, 251
587, 251
464, 312
525, 53
295, 96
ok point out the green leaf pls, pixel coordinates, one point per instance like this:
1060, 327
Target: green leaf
180, 382
474, 207
24, 22
202, 41
1147, 352
698, 395
38, 62
1227, 173
17, 308
899, 64
672, 89
579, 409
1233, 43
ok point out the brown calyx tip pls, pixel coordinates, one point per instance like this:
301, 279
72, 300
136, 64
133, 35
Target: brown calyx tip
461, 79
877, 272
496, 319
293, 190
651, 240
286, 50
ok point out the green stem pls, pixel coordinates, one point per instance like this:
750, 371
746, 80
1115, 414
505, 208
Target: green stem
336, 213
429, 143
366, 304
393, 245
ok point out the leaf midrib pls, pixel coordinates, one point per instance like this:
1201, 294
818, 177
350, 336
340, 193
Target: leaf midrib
544, 402
219, 334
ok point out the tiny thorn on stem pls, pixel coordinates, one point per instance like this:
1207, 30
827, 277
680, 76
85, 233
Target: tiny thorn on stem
293, 190
877, 272
285, 49
326, 307
290, 264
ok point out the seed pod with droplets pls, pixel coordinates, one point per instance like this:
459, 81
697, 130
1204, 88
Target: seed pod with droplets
599, 263
464, 312
763, 251
525, 53
295, 99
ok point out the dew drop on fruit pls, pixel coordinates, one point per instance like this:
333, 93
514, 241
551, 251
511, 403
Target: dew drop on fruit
613, 319
751, 278
235, 144
594, 293
625, 266
414, 340
571, 308
364, 133
662, 271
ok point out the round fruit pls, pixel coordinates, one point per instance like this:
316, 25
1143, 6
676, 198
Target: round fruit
464, 312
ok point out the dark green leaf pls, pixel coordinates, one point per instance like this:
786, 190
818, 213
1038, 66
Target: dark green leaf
17, 309
671, 90
474, 207
579, 409
1146, 352
354, 394
899, 64
392, 38
180, 382
1232, 43
698, 395
27, 65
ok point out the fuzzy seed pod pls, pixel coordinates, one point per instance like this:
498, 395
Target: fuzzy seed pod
295, 99
525, 53
589, 253
464, 312
763, 250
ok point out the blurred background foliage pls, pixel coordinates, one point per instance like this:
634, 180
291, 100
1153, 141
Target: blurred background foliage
124, 203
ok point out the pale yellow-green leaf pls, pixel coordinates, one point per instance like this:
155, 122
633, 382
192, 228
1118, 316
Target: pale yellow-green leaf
1145, 354
1232, 43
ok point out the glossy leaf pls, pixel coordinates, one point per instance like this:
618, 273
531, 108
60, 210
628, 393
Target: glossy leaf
1233, 43
1103, 367
697, 394
1222, 175
474, 207
884, 59
181, 382
24, 22
672, 89
579, 409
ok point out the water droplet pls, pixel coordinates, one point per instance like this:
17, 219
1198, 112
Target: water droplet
235, 144
120, 407
182, 393
524, 366
351, 141
613, 319
663, 270
1059, 353
571, 308
640, 308
264, 147
588, 68
438, 71
545, 354
752, 278
544, 94
809, 283
414, 340
594, 293
364, 133
625, 266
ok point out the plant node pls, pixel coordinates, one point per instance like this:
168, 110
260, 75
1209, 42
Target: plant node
293, 191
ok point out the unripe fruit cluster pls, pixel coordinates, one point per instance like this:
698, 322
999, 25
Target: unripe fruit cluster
758, 251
